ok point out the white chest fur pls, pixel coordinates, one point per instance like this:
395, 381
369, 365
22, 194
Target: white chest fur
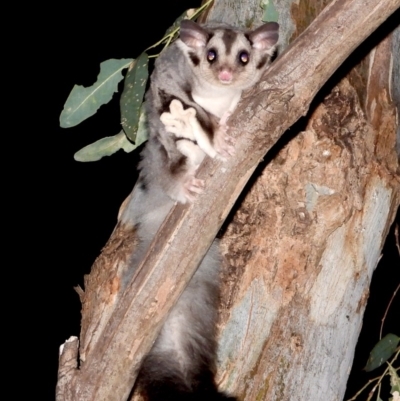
217, 101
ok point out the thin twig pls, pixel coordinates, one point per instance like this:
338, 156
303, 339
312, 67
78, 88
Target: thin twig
371, 393
363, 388
167, 39
383, 375
377, 384
387, 309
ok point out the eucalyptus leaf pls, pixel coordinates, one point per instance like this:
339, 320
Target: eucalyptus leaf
104, 147
142, 132
83, 102
270, 12
132, 95
382, 351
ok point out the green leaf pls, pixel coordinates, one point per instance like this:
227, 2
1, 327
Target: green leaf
111, 144
142, 133
382, 352
104, 147
82, 102
270, 12
132, 95
394, 380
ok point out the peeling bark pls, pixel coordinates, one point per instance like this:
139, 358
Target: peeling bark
302, 246
314, 224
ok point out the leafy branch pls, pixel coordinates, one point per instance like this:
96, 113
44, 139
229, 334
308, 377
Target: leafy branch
83, 102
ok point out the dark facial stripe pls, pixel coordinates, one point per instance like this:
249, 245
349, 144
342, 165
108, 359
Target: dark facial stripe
247, 36
229, 38
262, 62
194, 58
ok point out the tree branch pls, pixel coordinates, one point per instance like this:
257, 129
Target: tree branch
273, 106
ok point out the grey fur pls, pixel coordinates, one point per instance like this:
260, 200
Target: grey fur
211, 90
191, 95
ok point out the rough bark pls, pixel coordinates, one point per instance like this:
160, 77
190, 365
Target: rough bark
302, 245
279, 280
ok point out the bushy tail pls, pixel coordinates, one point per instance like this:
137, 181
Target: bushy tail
175, 388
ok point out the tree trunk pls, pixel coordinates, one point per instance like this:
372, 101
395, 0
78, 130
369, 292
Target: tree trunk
303, 242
